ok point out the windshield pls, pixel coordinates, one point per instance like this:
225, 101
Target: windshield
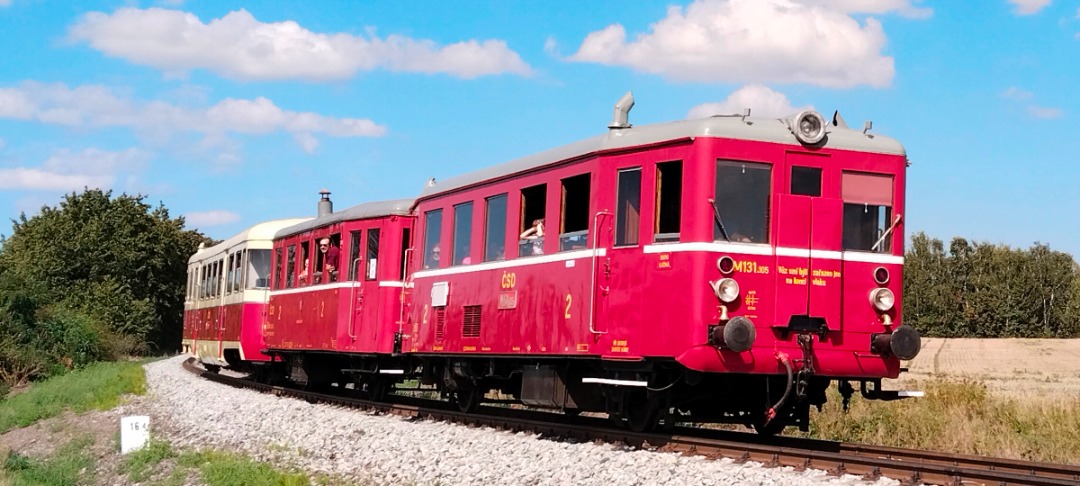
868, 212
743, 191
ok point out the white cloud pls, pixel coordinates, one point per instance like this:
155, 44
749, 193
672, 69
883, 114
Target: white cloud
761, 100
97, 106
72, 171
905, 8
1045, 113
239, 46
755, 41
1014, 93
5, 3
202, 219
1023, 98
1029, 7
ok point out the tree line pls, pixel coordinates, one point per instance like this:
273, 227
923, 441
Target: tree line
96, 278
987, 290
101, 277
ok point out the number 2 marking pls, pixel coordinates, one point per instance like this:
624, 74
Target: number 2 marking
568, 300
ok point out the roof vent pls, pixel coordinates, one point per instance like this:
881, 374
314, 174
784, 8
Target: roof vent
326, 206
622, 112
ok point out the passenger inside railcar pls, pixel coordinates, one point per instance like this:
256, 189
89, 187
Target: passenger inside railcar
329, 256
535, 239
432, 260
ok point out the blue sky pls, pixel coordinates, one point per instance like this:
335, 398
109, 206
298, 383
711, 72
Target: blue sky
232, 113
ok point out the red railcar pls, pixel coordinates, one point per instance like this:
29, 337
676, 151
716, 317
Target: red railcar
726, 269
325, 319
226, 297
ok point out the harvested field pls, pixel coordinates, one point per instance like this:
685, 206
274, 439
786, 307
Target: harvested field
1015, 368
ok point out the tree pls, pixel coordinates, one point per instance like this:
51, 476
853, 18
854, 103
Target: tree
117, 260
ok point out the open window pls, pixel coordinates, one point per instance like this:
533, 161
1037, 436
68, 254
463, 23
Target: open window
495, 229
402, 257
668, 201
532, 224
432, 233
868, 202
574, 227
743, 192
628, 207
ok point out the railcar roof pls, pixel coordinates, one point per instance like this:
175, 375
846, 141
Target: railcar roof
727, 126
262, 231
397, 207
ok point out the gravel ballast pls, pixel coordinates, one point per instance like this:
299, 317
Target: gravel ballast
188, 411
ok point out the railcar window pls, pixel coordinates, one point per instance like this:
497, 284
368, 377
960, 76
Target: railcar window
290, 267
259, 269
372, 253
574, 231
228, 276
628, 208
404, 250
462, 233
806, 181
495, 229
277, 269
354, 254
668, 201
743, 192
241, 274
868, 201
305, 258
432, 234
532, 227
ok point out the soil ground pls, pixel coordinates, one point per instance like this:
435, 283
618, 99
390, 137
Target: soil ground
1015, 368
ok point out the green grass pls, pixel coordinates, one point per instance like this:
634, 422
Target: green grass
959, 417
215, 468
99, 386
72, 465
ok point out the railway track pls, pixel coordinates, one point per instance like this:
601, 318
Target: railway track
871, 462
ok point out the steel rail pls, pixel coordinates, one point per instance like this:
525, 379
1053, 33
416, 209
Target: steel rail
871, 462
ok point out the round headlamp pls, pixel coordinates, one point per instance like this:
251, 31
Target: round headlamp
809, 127
882, 299
725, 264
881, 275
727, 290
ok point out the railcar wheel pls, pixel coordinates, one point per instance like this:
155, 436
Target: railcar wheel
467, 401
639, 412
212, 368
770, 429
378, 389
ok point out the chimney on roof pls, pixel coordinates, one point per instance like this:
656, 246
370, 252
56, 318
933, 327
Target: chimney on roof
622, 112
326, 206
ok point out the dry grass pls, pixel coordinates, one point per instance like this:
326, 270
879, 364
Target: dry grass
960, 416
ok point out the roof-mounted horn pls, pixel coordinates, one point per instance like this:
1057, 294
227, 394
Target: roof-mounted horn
622, 112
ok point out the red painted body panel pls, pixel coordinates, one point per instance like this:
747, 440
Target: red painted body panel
654, 299
228, 325
353, 316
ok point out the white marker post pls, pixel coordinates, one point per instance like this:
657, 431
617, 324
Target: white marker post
134, 433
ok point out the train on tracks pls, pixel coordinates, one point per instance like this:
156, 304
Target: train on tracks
725, 269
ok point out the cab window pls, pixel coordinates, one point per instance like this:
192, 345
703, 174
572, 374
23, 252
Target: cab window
868, 201
743, 192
